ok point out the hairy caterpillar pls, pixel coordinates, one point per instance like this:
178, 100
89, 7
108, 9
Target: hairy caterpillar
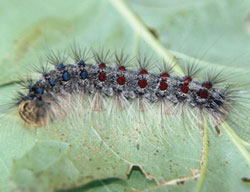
46, 97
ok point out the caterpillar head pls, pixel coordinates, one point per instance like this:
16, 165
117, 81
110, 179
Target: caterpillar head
33, 112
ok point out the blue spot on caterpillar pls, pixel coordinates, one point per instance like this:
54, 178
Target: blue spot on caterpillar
52, 82
84, 75
66, 76
60, 66
39, 90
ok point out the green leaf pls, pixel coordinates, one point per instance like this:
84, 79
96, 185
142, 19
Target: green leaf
97, 153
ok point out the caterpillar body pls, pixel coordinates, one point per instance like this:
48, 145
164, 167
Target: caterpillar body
41, 103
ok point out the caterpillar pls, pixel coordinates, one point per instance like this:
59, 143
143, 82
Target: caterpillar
43, 102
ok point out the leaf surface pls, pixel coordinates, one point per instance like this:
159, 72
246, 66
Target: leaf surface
99, 151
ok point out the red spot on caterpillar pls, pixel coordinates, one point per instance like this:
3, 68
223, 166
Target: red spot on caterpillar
122, 68
142, 83
143, 72
163, 85
207, 85
164, 76
187, 80
121, 80
102, 76
203, 93
102, 65
184, 88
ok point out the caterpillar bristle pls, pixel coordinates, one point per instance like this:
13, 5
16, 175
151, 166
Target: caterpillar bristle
119, 101
165, 68
57, 58
215, 77
102, 56
26, 83
122, 60
144, 64
98, 102
142, 104
192, 70
80, 54
41, 68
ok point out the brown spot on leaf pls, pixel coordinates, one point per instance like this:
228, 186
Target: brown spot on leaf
180, 182
138, 146
245, 180
217, 129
